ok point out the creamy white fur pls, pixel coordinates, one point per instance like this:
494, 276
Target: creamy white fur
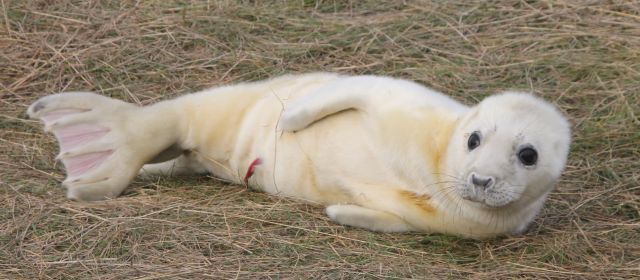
382, 153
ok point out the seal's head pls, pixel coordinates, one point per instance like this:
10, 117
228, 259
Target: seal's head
509, 149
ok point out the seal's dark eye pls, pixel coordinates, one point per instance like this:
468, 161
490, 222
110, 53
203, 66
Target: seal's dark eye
528, 156
474, 140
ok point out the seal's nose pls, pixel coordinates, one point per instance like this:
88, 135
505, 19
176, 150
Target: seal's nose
482, 181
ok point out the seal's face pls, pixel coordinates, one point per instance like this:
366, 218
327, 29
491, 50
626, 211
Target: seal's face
511, 147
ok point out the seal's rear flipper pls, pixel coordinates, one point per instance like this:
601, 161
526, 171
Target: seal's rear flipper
104, 142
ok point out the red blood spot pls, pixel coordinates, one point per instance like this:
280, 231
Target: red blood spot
252, 168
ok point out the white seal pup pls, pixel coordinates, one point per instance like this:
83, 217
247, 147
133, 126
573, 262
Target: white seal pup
383, 154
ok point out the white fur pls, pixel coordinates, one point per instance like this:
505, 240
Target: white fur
384, 154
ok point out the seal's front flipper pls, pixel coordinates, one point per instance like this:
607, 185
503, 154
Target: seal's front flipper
357, 216
332, 98
103, 142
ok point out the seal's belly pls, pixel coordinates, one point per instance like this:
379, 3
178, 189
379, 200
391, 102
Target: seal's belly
320, 162
313, 164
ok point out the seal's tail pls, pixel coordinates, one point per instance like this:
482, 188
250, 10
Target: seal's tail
104, 142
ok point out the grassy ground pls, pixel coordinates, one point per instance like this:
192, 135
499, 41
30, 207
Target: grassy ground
582, 55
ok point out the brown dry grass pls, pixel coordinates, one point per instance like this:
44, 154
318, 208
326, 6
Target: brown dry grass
582, 55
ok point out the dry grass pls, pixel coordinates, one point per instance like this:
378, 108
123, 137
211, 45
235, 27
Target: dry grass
582, 55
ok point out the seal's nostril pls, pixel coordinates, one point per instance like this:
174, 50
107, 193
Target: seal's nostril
481, 181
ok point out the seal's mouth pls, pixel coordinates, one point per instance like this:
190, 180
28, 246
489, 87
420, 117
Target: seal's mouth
483, 202
479, 198
494, 197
